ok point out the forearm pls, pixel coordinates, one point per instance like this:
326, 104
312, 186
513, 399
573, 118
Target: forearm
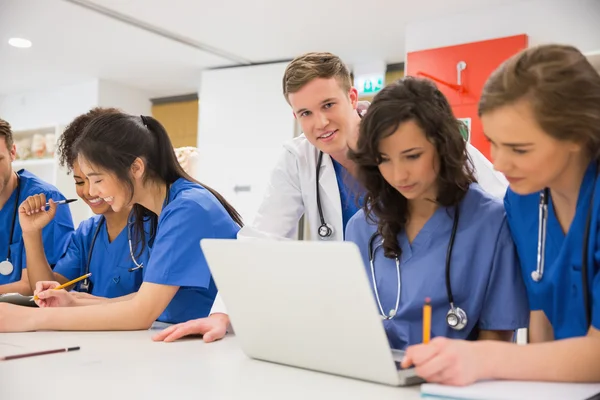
137, 312
21, 287
503, 336
38, 269
100, 316
569, 360
84, 299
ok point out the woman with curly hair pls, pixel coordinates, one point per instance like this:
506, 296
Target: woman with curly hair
427, 229
100, 245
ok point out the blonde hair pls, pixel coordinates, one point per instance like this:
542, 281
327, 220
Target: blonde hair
560, 84
309, 66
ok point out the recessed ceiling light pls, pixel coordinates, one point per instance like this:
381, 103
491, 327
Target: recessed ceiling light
20, 43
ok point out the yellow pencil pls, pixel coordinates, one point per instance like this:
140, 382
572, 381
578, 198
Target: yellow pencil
427, 320
64, 285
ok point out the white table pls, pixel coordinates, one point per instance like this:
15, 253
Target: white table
128, 365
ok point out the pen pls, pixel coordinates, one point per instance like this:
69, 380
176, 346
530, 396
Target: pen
64, 285
38, 353
427, 320
61, 202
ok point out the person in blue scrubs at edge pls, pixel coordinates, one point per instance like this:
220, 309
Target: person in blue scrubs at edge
16, 186
100, 244
541, 112
130, 161
422, 203
318, 88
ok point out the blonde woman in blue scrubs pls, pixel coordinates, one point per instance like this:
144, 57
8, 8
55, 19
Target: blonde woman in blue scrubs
541, 113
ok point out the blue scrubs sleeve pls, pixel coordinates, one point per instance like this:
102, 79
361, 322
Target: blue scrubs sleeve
176, 258
535, 302
57, 239
505, 304
596, 301
71, 264
57, 234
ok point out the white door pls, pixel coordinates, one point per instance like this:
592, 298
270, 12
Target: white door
243, 122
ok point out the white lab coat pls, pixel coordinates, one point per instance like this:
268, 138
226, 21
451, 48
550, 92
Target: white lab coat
292, 193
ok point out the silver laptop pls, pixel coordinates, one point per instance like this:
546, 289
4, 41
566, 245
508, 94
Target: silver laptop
306, 304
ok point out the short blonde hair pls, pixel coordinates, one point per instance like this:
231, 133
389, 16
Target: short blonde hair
309, 66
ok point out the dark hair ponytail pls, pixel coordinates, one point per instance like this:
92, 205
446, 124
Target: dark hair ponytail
113, 141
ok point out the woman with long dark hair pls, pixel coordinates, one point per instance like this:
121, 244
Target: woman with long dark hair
427, 228
129, 161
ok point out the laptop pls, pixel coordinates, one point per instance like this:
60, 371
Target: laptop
305, 304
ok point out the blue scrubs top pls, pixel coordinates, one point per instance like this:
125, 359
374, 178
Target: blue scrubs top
559, 294
56, 234
109, 263
351, 193
192, 214
484, 272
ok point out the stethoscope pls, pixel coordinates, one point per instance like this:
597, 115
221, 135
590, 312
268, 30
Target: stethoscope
325, 230
86, 284
456, 318
6, 266
538, 274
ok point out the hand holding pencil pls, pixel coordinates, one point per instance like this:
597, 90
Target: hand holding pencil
51, 294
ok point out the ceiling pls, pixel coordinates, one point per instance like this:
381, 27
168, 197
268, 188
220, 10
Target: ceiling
161, 46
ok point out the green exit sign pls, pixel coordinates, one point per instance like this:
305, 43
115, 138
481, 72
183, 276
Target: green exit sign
370, 85
465, 128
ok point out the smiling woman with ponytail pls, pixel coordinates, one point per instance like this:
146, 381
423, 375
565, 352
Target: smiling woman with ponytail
130, 162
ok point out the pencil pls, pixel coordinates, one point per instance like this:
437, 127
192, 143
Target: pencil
64, 285
38, 353
427, 320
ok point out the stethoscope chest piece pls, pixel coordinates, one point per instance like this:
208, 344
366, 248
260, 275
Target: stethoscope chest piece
456, 318
6, 268
325, 231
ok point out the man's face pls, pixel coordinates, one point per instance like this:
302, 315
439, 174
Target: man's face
326, 114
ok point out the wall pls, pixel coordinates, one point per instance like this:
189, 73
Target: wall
130, 100
243, 121
573, 22
59, 106
180, 119
49, 107
390, 77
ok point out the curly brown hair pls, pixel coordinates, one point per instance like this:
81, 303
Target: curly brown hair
65, 143
418, 100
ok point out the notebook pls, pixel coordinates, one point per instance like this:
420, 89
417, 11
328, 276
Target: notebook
16, 298
514, 390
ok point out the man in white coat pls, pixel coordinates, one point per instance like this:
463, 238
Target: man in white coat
307, 179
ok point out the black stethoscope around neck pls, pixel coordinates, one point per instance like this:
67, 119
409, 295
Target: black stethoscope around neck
6, 266
456, 318
325, 230
538, 274
86, 284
